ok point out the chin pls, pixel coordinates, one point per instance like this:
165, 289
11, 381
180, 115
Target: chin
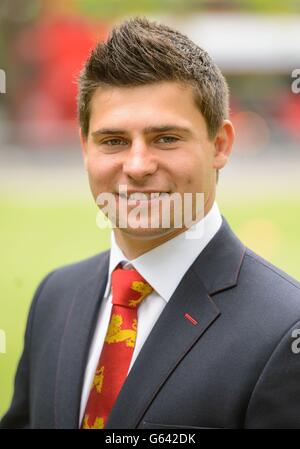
148, 233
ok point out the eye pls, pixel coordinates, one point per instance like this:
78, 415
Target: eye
167, 139
114, 142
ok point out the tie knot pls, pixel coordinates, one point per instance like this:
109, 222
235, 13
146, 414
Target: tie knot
129, 288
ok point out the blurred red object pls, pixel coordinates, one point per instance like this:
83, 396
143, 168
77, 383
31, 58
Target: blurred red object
288, 114
49, 57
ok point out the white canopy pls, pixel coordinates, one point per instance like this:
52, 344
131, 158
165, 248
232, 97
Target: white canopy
246, 42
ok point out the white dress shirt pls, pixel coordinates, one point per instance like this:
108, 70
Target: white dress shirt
163, 268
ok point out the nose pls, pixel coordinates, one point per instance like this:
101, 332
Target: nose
140, 162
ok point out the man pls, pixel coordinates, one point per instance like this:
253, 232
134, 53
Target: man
168, 329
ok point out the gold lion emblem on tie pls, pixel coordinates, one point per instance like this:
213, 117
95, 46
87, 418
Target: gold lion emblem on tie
98, 423
116, 334
140, 287
98, 379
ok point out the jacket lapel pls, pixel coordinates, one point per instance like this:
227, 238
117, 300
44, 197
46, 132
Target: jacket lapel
74, 347
173, 335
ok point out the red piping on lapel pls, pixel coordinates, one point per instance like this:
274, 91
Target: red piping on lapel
192, 320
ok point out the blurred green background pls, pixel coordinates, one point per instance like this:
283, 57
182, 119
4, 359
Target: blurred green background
47, 215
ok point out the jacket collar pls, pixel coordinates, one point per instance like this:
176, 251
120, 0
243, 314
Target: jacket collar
219, 264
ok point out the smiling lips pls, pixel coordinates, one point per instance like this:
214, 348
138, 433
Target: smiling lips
143, 196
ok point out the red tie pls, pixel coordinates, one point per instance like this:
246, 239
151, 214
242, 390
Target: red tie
129, 289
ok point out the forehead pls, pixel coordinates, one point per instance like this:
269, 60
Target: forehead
143, 106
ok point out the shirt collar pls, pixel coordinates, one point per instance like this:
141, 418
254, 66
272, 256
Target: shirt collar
164, 266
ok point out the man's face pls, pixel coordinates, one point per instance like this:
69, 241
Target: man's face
150, 138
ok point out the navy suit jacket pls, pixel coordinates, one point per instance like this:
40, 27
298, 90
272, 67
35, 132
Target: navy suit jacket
236, 368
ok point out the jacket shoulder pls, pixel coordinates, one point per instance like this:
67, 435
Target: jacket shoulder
66, 279
271, 270
83, 267
270, 287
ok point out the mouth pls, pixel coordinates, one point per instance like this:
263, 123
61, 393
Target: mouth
142, 197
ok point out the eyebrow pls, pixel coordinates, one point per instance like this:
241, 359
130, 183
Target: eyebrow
148, 130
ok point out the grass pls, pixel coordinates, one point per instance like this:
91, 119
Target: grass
39, 235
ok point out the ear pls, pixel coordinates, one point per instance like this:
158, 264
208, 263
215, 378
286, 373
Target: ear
83, 143
223, 144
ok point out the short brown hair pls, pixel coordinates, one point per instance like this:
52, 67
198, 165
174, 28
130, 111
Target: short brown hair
140, 52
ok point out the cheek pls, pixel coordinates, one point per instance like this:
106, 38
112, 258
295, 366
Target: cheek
193, 171
182, 174
101, 170
197, 176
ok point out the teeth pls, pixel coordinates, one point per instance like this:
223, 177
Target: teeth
139, 196
142, 196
